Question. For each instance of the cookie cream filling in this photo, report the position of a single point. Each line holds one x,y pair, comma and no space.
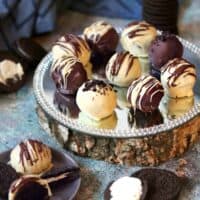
126,188
10,70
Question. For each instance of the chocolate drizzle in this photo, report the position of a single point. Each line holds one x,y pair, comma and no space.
137,32
25,154
76,43
178,67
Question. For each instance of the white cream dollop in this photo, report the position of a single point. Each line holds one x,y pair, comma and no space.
126,188
10,70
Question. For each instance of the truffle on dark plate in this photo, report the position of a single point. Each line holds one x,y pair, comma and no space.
145,94
101,37
12,76
162,184
164,48
68,74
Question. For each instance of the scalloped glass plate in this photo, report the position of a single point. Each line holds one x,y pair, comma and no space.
121,125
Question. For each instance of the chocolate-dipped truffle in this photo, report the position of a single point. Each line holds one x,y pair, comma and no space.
68,74
102,37
178,78
126,188
145,93
137,37
72,45
31,157
7,176
96,99
164,48
122,69
12,76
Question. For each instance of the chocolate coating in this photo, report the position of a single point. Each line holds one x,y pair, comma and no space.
162,184
101,37
145,93
68,74
164,48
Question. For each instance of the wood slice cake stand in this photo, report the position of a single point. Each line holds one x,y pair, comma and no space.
146,151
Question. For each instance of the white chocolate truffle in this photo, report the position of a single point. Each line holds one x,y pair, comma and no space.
178,78
96,99
10,70
72,45
145,93
137,37
31,157
101,37
122,69
126,188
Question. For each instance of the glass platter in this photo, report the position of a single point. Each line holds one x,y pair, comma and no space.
122,124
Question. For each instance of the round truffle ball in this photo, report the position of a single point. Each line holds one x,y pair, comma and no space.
164,48
122,69
178,78
31,157
145,93
12,76
96,99
137,37
72,45
68,74
101,37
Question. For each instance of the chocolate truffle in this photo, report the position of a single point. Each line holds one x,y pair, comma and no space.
137,37
7,176
96,99
122,69
12,76
101,37
126,188
162,184
72,45
178,78
164,48
145,94
29,188
68,74
31,157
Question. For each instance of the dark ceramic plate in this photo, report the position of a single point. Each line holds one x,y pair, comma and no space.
66,191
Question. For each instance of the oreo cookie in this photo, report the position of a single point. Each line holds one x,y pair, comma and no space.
162,14
7,176
162,184
30,51
107,193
